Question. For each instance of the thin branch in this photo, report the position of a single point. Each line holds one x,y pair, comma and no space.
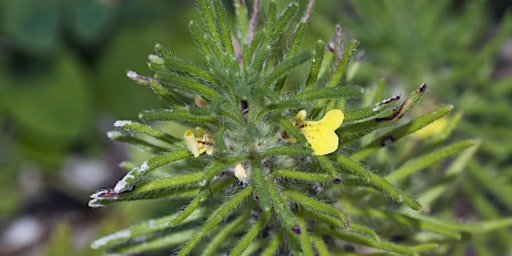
254,21
339,47
309,9
238,52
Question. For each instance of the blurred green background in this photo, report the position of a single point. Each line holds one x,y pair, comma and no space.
63,84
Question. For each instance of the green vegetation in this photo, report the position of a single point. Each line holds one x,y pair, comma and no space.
258,176
330,146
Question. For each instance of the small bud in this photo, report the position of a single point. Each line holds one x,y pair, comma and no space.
321,134
241,173
200,102
296,229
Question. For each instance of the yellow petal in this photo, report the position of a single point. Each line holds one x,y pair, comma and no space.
323,141
332,119
209,149
321,134
431,129
191,143
300,116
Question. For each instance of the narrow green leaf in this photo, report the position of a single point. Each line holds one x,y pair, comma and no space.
105,197
178,115
351,132
447,130
420,162
377,182
260,181
327,165
254,248
144,228
326,66
215,167
363,240
156,87
303,176
208,15
165,93
260,58
137,143
455,227
286,66
269,24
293,131
146,129
355,131
223,234
490,225
177,66
280,105
251,234
401,132
329,93
189,209
485,208
196,202
357,228
215,218
218,136
246,54
298,37
340,72
316,64
424,247
292,50
274,245
261,47
168,183
241,18
154,242
421,222
289,151
200,39
283,21
127,165
305,241
372,110
337,222
286,217
147,166
317,206
163,51
224,28
320,246
499,188
181,83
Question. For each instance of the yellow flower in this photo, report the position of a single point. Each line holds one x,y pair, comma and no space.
197,146
321,134
431,129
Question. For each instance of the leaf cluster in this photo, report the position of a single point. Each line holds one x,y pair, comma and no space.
245,95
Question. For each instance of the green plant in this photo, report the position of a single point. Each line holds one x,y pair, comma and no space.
256,177
455,45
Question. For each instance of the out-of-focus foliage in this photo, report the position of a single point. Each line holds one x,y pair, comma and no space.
60,71
455,45
62,64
